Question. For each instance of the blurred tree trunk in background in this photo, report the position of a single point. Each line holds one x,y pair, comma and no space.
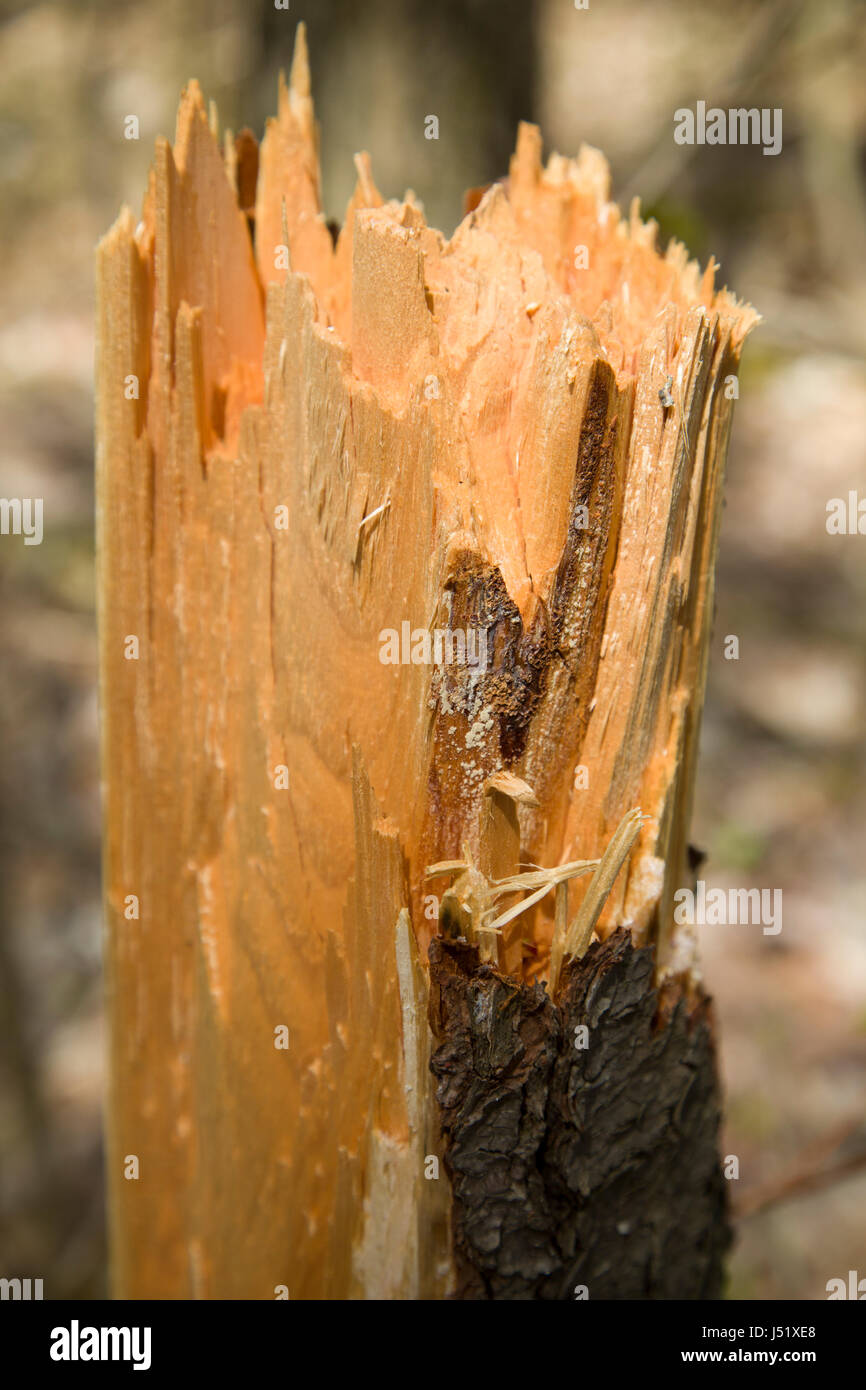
471,63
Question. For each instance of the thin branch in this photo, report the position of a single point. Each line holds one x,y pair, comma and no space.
809,1174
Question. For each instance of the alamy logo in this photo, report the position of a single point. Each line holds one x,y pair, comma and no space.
22,1290
736,126
76,1343
441,647
846,520
855,1289
736,907
22,516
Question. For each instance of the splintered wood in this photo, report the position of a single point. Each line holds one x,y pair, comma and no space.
415,540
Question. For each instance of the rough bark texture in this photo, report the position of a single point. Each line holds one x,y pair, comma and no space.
574,1165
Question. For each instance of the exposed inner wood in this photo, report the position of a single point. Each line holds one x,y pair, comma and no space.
330,441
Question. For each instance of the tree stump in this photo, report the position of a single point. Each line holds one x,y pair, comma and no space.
406,554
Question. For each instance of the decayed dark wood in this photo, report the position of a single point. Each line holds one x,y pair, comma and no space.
582,1164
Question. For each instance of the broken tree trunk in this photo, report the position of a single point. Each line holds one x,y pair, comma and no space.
406,558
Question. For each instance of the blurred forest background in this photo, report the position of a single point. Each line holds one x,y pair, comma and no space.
782,787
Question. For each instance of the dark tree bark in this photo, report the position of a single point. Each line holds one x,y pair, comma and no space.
574,1165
